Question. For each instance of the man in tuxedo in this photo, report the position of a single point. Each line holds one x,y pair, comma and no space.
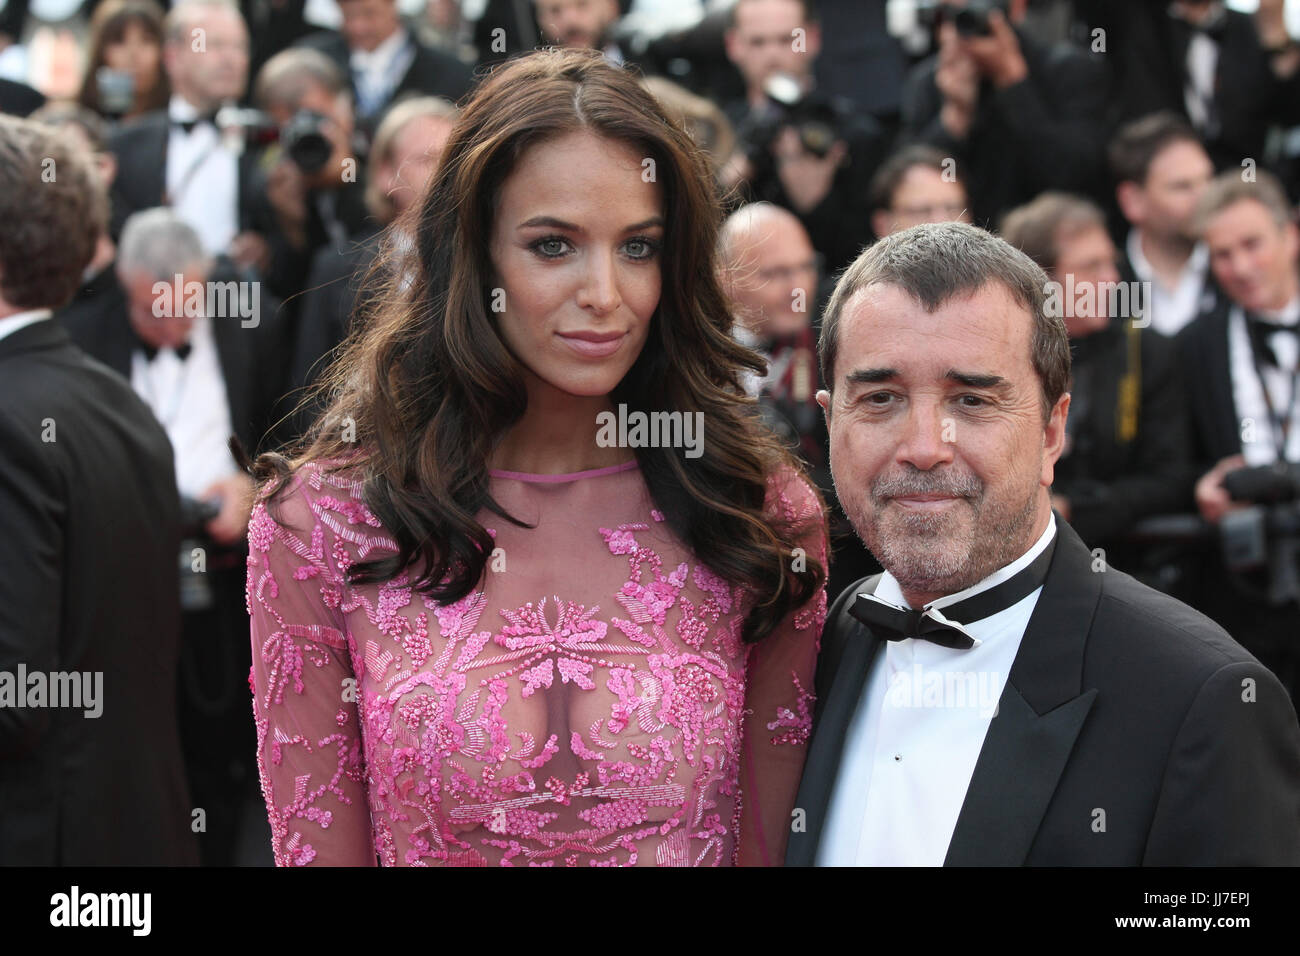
208,365
1231,74
177,157
385,60
88,572
1242,360
998,695
1160,170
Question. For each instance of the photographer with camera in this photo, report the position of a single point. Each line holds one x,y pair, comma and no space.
1243,374
1018,117
313,183
799,148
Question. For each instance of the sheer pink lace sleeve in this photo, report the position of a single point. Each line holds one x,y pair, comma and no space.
305,691
779,697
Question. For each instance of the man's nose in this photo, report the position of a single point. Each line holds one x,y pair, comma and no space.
928,436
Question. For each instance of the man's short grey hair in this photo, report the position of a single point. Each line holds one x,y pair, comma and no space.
180,17
289,76
936,262
161,244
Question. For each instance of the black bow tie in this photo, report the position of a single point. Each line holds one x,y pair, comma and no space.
151,352
1212,26
188,125
895,624
1262,331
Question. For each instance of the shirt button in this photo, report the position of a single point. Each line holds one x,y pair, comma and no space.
898,756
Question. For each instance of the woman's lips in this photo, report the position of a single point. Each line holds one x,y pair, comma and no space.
593,344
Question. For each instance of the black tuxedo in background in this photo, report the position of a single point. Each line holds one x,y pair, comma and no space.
140,146
1114,477
88,582
1120,699
1269,632
431,73
252,359
1046,132
1148,53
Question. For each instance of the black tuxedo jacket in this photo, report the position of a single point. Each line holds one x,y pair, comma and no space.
140,146
88,582
1216,425
431,73
253,360
1121,700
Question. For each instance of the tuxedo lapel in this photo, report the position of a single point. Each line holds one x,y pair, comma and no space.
847,654
1040,714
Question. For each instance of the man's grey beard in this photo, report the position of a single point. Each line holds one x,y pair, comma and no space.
943,552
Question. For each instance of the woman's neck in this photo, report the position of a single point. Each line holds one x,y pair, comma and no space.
557,435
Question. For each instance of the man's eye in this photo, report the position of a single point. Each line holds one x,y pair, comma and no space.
972,401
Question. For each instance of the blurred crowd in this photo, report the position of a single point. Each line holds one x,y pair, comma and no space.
1144,152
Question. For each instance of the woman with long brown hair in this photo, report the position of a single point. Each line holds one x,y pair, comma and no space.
536,588
124,67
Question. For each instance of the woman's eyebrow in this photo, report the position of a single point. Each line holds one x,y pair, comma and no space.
554,223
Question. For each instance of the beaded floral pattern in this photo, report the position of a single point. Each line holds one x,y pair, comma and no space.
592,704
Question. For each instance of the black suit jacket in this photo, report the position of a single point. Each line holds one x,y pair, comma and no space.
1046,132
1129,457
140,146
431,73
1216,425
88,582
253,360
1148,57
1120,700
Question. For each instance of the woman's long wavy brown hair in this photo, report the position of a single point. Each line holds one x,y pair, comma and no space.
427,385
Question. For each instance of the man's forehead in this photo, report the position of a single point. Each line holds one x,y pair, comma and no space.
988,324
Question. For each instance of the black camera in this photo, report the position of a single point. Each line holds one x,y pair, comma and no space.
1266,534
302,138
813,117
971,20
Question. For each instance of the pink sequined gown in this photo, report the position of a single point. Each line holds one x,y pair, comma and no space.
591,705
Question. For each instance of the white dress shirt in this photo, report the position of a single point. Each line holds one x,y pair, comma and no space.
917,732
376,73
202,178
20,320
1170,309
188,397
1259,446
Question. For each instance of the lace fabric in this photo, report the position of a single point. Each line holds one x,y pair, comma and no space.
592,703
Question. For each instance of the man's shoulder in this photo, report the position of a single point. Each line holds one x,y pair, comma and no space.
326,41
1148,628
139,131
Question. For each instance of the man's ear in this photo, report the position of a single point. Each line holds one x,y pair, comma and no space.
824,400
1054,439
1129,198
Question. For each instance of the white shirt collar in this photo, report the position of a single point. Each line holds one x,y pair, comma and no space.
889,590
19,320
380,55
181,110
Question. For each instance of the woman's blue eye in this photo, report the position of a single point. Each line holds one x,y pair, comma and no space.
552,242
648,246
